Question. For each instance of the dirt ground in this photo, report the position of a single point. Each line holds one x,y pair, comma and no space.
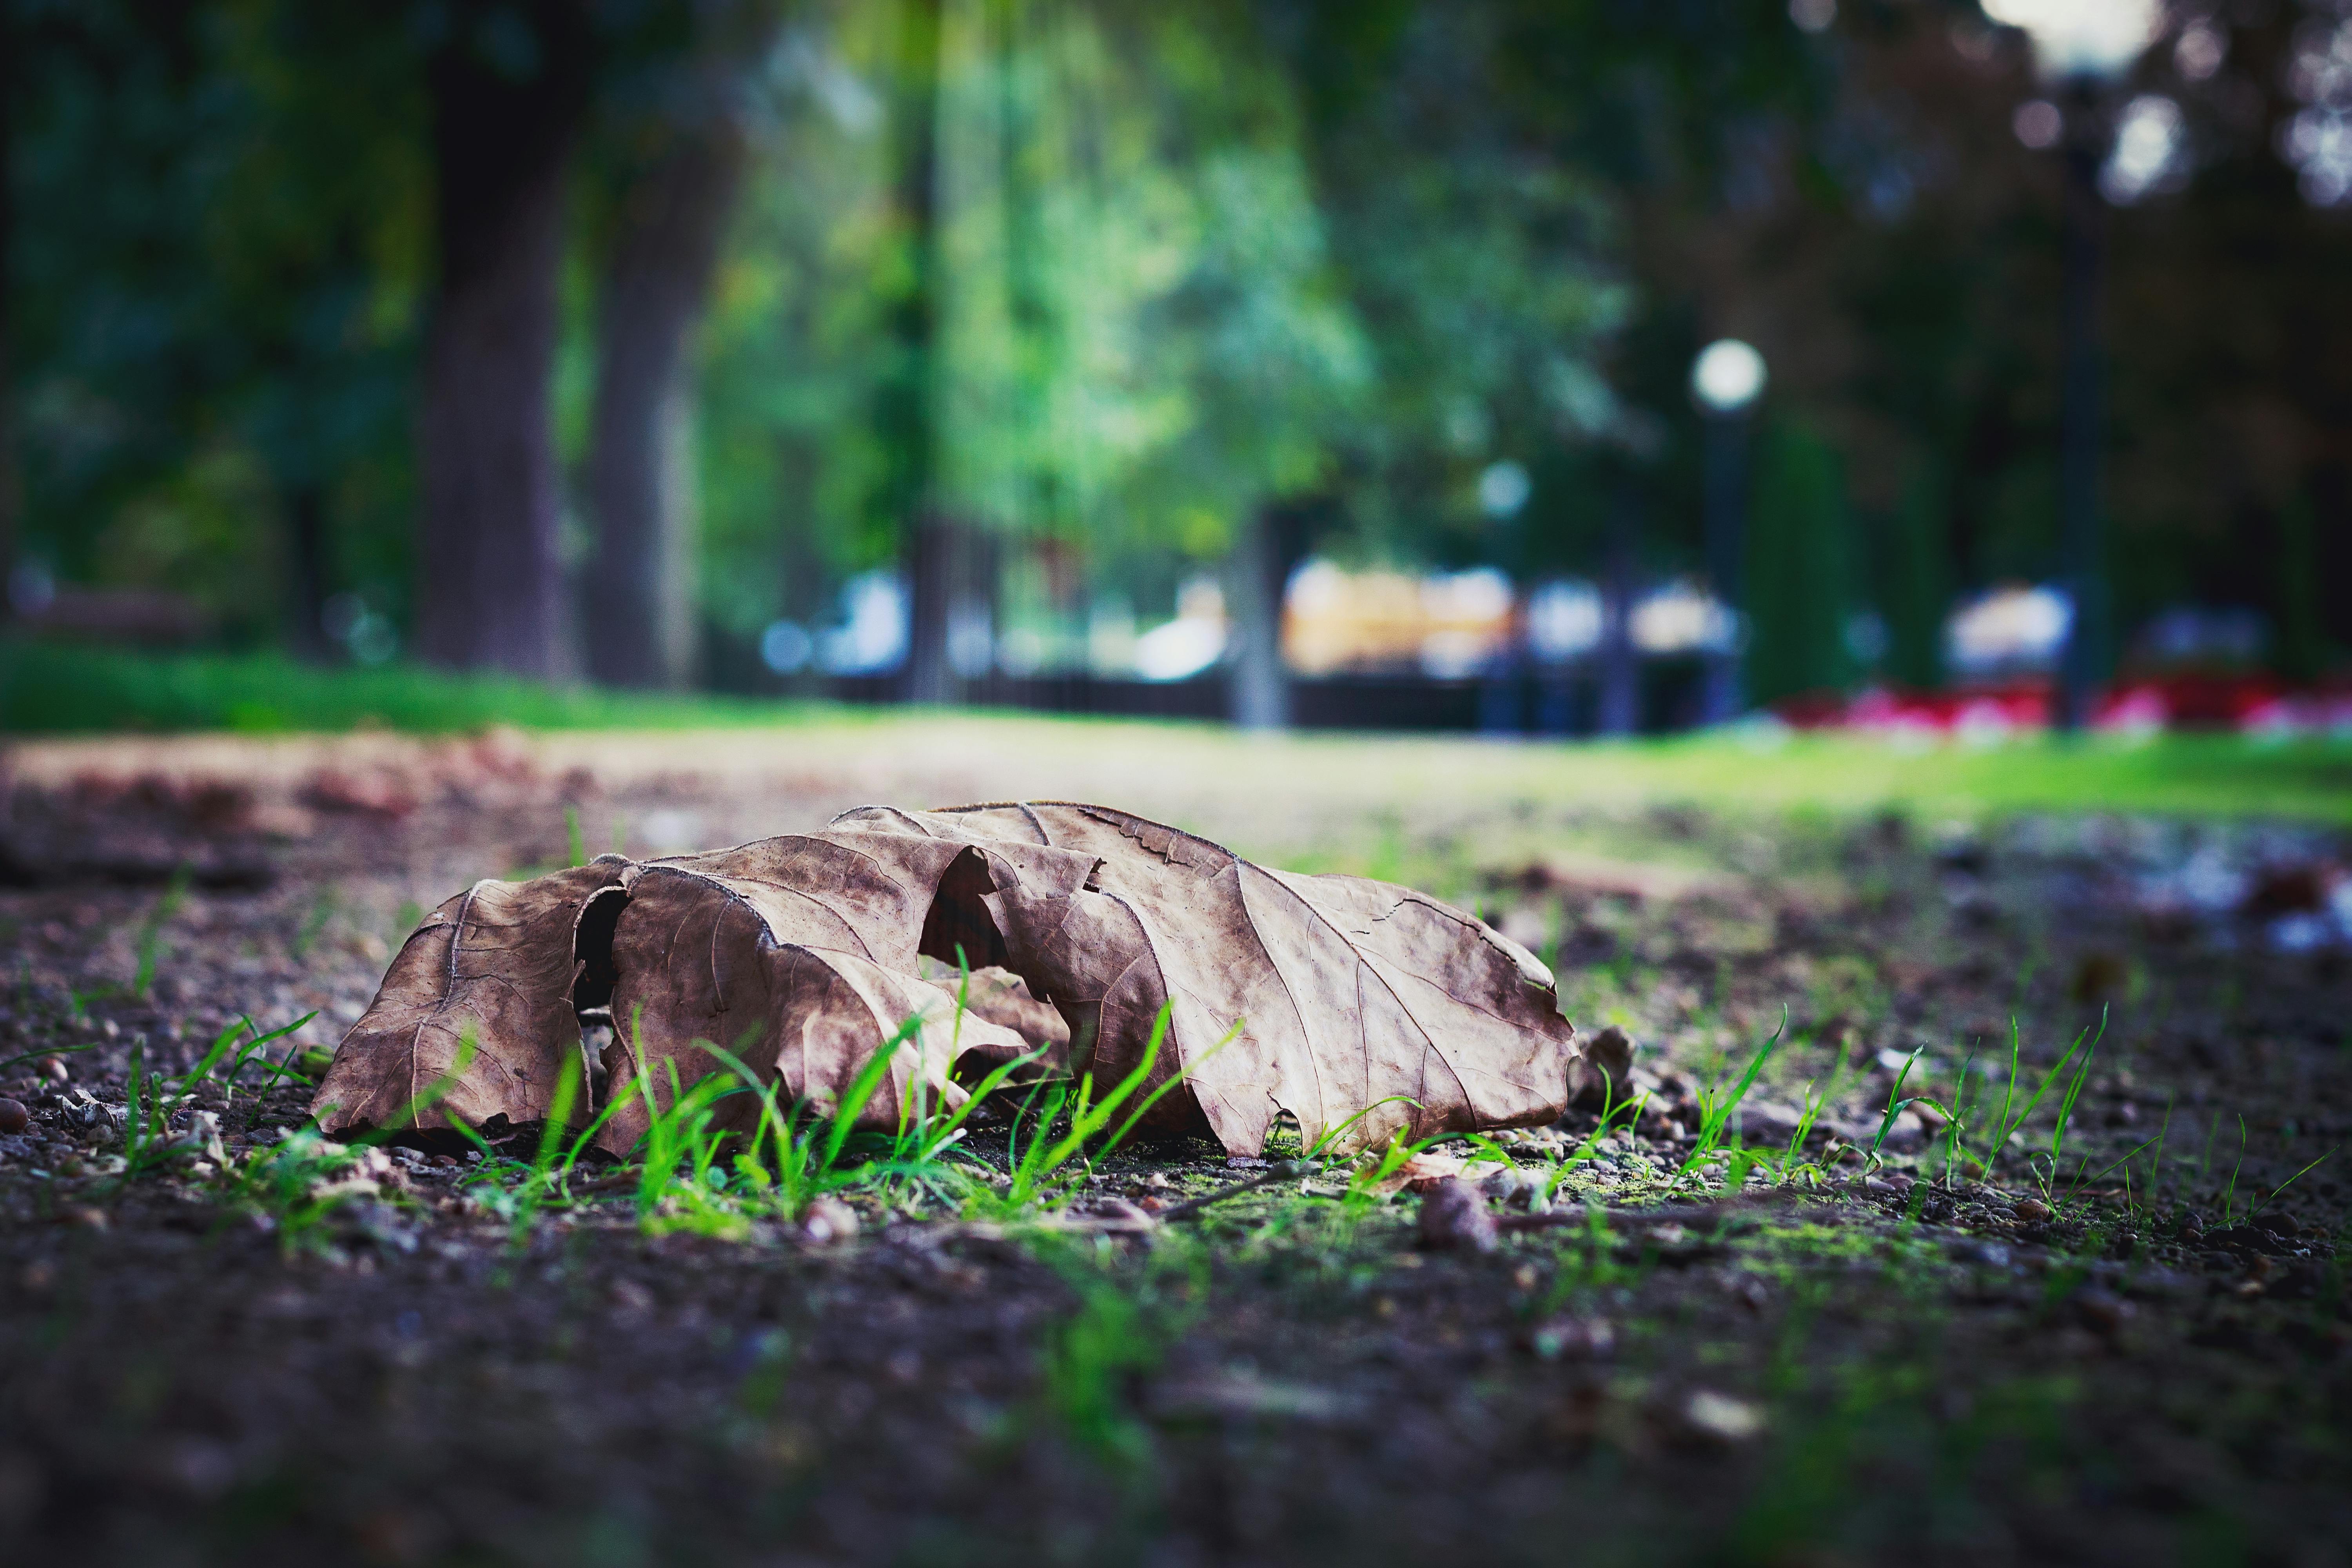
2138,1351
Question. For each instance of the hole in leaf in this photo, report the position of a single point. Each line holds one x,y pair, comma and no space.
958,917
592,944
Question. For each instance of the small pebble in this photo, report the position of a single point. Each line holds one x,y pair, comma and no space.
14,1117
1453,1219
1718,1418
828,1220
2033,1211
55,1068
1569,1338
2103,1312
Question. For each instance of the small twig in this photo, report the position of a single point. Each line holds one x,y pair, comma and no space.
1564,1218
1281,1171
932,1232
1704,1214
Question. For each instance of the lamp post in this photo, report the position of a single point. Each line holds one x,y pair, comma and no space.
1726,381
1617,706
2080,46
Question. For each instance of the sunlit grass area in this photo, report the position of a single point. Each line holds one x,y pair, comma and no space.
2180,774
56,691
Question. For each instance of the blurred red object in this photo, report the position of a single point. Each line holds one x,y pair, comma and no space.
2246,703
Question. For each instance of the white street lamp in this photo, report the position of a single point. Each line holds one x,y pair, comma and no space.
1726,379
2081,45
1727,376
2073,38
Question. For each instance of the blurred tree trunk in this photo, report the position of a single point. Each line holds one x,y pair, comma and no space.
2301,653
2082,412
1798,589
510,85
951,611
1273,542
640,593
11,481
930,568
306,531
1723,690
905,399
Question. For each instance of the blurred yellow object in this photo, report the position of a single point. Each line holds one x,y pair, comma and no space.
1445,625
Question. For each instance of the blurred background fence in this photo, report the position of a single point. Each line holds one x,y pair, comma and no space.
1558,368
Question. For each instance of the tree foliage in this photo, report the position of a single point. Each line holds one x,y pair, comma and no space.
1178,266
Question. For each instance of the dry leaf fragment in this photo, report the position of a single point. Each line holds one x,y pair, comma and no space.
1425,1168
798,956
999,997
1420,1172
492,971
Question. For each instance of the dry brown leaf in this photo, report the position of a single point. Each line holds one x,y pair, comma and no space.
1321,996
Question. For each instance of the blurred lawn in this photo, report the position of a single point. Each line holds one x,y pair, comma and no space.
2186,775
50,689
64,691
